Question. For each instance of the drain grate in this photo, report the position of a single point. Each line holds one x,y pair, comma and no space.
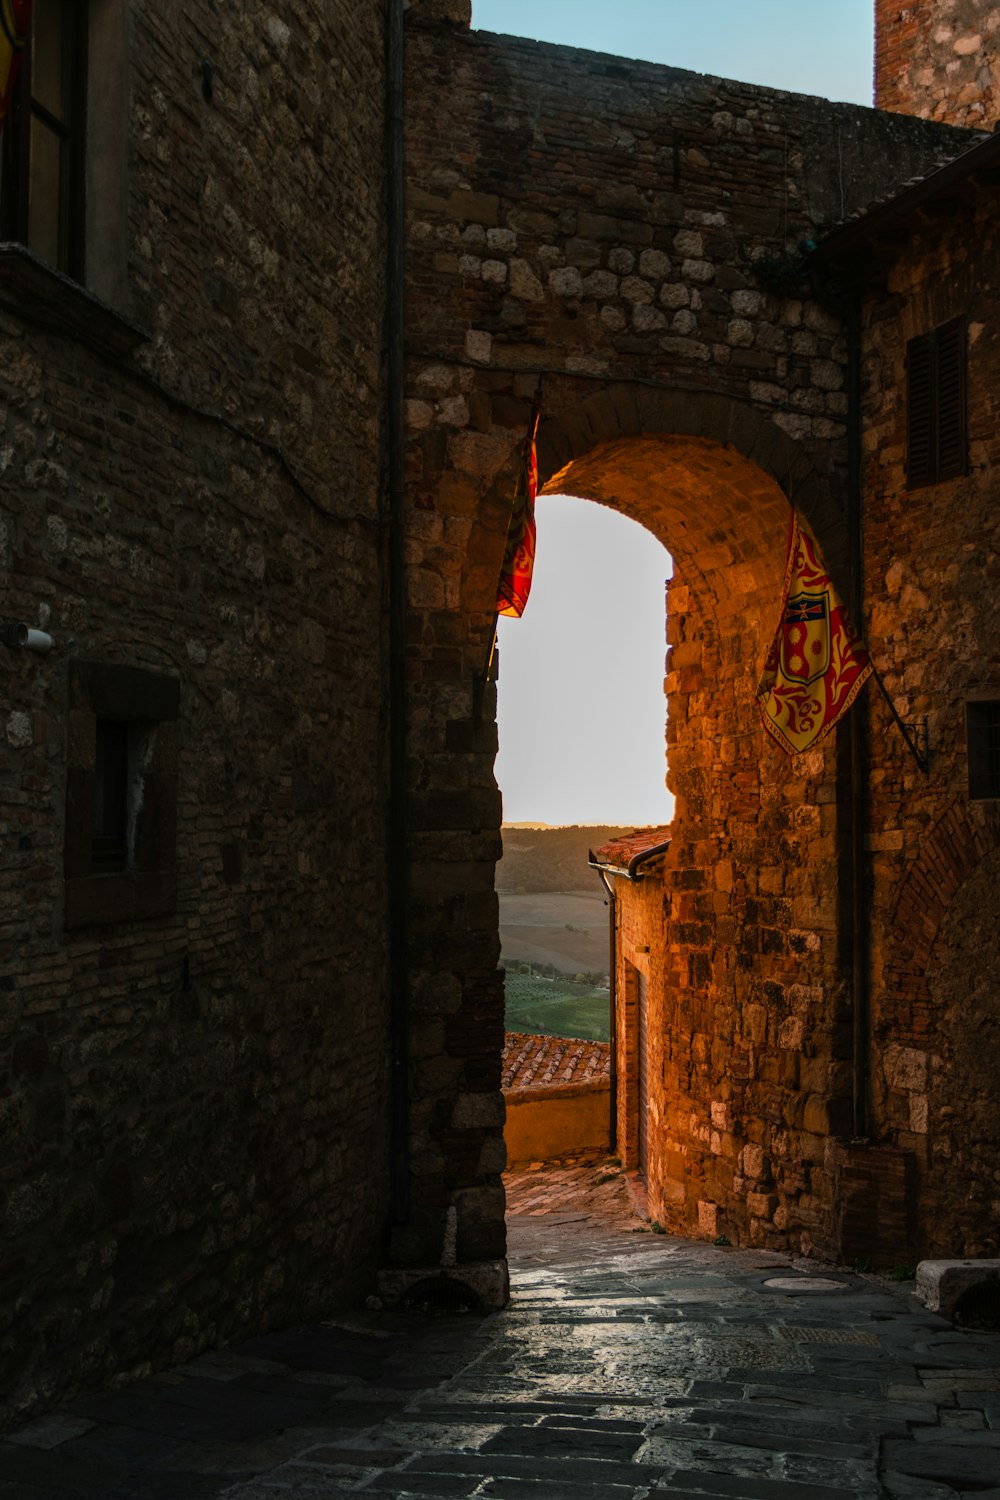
979,1308
803,1335
439,1296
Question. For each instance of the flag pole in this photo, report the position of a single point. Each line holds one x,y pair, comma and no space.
480,680
491,653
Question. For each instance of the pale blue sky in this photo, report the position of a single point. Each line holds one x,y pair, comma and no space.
790,44
581,705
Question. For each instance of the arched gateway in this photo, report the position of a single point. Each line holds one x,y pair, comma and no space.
628,233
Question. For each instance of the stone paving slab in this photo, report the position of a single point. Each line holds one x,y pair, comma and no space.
629,1365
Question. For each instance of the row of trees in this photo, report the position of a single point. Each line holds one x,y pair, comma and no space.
549,971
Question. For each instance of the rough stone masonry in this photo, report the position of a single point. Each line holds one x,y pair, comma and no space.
193,1101
628,233
194,1062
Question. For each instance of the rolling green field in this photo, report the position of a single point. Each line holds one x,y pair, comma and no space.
556,1007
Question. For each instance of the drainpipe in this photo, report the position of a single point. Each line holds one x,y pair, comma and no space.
858,721
398,864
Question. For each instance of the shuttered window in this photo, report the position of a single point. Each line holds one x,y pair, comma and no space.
936,428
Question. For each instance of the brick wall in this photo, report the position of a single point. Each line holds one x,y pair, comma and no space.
192,1106
939,59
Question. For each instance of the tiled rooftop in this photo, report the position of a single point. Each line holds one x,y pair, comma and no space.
620,852
542,1061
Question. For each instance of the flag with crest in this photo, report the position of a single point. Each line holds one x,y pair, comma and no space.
816,665
519,553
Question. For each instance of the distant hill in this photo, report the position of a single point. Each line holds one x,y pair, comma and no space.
550,859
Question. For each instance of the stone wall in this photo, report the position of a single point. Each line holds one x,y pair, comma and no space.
939,59
193,1104
932,622
631,231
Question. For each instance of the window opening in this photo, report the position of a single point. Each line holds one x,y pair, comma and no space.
41,152
983,730
121,794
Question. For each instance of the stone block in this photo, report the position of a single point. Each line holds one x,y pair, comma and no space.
488,1280
940,1283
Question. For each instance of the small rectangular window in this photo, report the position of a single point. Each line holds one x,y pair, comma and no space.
936,426
42,164
121,794
983,731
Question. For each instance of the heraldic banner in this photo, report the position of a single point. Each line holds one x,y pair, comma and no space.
816,665
15,16
519,553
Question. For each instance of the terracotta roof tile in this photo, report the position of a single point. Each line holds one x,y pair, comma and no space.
620,852
542,1061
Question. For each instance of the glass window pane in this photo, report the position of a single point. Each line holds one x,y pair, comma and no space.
44,192
48,56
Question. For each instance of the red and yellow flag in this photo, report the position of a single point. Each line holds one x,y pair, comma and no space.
15,19
816,665
519,553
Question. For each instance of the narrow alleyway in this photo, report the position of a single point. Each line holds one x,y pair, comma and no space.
629,1365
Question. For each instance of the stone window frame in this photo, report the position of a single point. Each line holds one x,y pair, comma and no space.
937,441
149,702
982,730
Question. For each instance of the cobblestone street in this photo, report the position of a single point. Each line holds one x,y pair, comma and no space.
629,1364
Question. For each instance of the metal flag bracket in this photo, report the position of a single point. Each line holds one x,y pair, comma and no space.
916,734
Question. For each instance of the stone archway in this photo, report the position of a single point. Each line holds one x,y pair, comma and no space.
742,1012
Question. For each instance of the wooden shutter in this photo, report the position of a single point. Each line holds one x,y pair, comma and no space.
919,412
936,404
952,445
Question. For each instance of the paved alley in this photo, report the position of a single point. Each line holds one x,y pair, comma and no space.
628,1365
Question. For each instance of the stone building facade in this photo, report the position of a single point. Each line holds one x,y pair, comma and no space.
193,1067
628,233
926,263
198,1067
923,1180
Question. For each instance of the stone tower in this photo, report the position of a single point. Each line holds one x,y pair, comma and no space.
939,59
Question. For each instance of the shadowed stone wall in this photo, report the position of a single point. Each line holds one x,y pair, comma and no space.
932,621
193,1104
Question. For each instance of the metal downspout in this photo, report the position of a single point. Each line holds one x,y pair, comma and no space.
398,869
858,721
